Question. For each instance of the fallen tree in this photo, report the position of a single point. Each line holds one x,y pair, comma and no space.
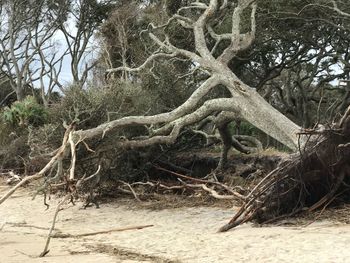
277,188
164,128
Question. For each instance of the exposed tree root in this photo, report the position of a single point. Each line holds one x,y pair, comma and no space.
304,182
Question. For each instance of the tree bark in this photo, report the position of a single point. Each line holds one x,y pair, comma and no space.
245,102
20,93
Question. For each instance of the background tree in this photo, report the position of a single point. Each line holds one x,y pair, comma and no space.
27,28
32,54
86,17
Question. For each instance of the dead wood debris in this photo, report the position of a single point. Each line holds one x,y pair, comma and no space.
304,182
49,236
202,184
66,235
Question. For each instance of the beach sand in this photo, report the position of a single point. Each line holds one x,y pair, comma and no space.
185,234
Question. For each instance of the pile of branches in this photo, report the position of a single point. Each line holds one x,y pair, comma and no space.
313,178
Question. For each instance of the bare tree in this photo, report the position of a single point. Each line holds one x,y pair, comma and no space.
243,102
31,49
26,30
50,65
84,18
115,50
301,91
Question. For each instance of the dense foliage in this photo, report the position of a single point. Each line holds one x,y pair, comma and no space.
25,113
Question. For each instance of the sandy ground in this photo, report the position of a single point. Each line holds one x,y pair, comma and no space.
178,235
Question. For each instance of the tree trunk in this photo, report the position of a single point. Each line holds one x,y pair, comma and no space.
262,115
256,110
20,93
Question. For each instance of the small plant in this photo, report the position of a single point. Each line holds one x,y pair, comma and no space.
5,130
25,113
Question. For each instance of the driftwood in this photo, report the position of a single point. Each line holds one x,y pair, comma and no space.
203,185
58,209
66,235
12,177
73,190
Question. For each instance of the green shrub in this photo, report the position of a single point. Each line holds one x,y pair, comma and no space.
93,106
25,113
